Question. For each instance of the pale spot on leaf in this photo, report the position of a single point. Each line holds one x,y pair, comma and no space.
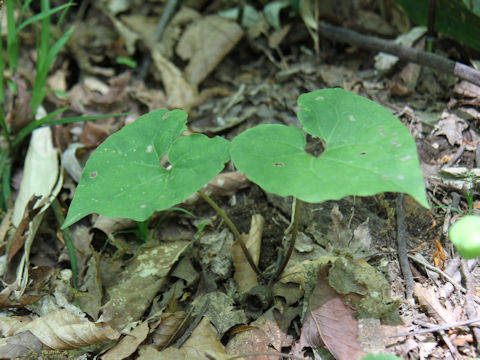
149,148
351,118
318,98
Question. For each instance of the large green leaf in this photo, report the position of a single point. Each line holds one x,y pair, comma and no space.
368,151
124,176
452,18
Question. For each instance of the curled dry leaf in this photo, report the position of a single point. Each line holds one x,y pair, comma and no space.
244,274
61,330
429,300
180,93
224,184
205,42
167,328
129,344
201,345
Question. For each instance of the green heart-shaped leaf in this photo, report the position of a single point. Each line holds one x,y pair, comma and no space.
368,150
124,176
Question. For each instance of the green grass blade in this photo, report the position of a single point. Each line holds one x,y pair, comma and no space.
62,15
2,69
68,242
46,14
45,60
12,38
49,121
24,9
6,171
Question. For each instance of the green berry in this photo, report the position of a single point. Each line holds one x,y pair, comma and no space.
465,235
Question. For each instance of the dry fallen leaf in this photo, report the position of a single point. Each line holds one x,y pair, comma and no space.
202,344
61,330
129,344
262,336
244,275
429,299
140,281
180,93
19,345
330,323
205,43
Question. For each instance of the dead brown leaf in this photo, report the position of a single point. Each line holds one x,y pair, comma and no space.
330,323
205,43
139,282
202,344
129,344
244,275
428,298
61,330
263,335
19,345
180,93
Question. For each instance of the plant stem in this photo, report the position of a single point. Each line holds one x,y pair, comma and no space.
287,256
233,229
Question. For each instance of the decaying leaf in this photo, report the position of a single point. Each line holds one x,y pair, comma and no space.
205,42
221,312
140,282
262,336
330,323
129,344
42,178
364,289
244,274
167,327
223,184
180,93
452,127
429,300
19,345
202,344
62,330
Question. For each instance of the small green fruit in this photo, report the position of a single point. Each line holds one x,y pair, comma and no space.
465,235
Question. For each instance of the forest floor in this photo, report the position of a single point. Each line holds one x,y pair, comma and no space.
175,290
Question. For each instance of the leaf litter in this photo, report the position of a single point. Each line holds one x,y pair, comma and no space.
163,296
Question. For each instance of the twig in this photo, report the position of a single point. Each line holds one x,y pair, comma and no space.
457,155
442,273
162,24
271,353
405,53
436,328
402,248
469,306
193,325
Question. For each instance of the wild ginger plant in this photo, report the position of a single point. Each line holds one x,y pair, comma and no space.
367,150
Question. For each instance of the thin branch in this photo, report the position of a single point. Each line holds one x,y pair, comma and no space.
435,328
402,248
405,53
